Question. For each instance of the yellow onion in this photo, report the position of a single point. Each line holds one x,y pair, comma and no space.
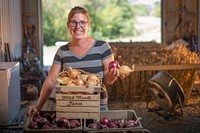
79,82
63,80
125,70
93,77
73,73
91,82
84,77
71,83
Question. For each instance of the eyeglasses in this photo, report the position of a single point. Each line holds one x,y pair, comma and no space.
74,23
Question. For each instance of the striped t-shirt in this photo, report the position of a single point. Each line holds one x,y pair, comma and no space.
89,62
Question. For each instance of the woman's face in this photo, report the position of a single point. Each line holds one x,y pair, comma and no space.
78,26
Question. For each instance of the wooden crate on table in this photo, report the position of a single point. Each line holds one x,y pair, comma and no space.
78,102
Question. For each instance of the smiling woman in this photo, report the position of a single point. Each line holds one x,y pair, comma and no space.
82,52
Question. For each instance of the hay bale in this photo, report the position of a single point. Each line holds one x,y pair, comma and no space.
134,86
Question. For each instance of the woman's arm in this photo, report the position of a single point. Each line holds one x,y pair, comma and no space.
48,86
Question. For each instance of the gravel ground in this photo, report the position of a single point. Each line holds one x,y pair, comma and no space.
156,122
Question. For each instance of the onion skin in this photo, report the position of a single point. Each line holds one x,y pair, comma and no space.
95,126
92,77
73,73
113,64
71,83
79,82
92,80
105,120
125,70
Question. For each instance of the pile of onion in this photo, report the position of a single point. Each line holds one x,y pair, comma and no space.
76,77
107,123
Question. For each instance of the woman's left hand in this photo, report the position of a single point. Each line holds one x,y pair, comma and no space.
114,72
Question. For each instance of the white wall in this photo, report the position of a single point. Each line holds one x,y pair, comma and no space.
11,26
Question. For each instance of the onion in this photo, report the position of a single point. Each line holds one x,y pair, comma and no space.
71,83
122,124
91,83
92,77
116,121
94,125
125,70
79,82
63,80
112,125
105,120
92,80
113,64
133,123
73,73
84,76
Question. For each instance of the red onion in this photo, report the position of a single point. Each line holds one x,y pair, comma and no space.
105,120
122,124
113,64
132,123
116,121
112,125
94,125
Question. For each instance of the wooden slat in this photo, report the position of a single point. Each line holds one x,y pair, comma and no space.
78,115
77,97
77,103
165,67
77,110
78,88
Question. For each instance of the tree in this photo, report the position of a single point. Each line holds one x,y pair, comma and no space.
110,19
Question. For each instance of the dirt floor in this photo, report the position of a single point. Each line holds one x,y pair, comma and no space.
157,122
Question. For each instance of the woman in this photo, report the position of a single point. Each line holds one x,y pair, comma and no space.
82,52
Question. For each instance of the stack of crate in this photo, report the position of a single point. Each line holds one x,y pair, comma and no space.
78,102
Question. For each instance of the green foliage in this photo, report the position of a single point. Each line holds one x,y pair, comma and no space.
157,11
54,21
110,19
141,10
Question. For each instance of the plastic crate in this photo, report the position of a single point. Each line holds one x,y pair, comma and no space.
51,130
114,114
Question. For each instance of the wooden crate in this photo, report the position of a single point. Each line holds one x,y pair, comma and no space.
78,102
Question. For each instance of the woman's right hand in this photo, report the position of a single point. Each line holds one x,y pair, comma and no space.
32,110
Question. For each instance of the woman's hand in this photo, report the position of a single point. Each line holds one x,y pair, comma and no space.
32,110
114,72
